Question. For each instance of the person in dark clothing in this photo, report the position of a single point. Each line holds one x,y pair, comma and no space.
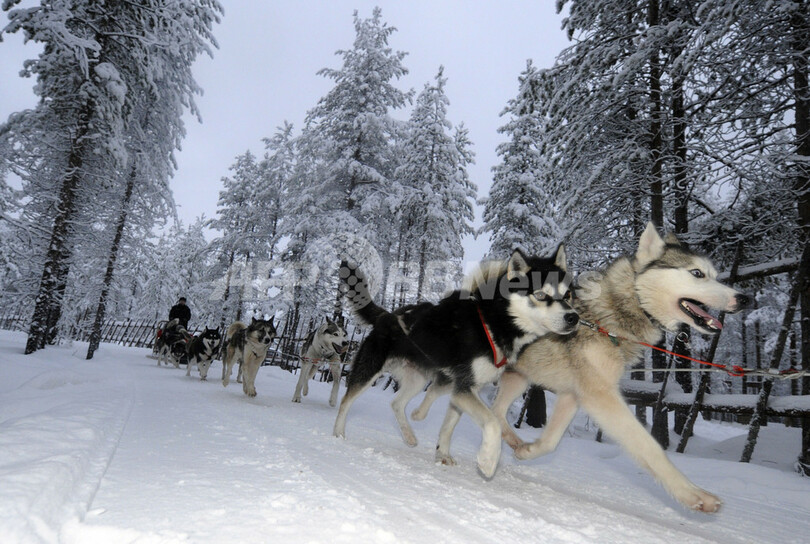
181,312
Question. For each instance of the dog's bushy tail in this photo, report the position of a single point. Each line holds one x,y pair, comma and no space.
354,287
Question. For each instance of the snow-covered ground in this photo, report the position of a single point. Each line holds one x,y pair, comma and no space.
117,450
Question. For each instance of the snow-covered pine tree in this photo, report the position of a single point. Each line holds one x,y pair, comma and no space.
520,211
353,131
245,239
157,74
83,113
437,195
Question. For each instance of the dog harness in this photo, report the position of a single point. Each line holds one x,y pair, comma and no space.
491,342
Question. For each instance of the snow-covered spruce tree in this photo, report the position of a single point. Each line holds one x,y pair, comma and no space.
520,211
83,113
435,209
245,233
156,69
354,134
276,173
79,114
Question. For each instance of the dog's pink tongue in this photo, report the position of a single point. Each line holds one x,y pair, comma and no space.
710,321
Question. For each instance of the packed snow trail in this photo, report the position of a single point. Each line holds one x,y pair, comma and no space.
160,457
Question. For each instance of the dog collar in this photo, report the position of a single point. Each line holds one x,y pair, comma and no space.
491,342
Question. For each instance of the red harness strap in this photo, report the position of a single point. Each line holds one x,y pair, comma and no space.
732,370
491,343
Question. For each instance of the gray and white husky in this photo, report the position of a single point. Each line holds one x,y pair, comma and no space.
201,351
662,286
324,345
247,345
466,339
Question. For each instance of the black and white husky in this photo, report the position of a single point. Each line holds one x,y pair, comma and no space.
247,345
201,351
324,345
466,339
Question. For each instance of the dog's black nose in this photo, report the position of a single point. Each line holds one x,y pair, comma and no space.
571,318
743,301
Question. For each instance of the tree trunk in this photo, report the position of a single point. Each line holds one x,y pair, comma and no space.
659,425
681,217
800,22
47,307
95,335
422,263
656,139
227,293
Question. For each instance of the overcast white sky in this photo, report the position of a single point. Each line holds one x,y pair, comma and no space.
265,73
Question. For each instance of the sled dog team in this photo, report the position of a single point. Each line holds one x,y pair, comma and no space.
518,323
246,346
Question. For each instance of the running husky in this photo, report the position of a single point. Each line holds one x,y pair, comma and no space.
663,286
326,344
201,351
466,339
171,344
247,345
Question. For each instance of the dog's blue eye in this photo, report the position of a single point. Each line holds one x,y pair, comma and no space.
540,295
697,273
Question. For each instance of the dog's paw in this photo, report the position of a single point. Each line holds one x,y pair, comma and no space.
225,383
524,452
409,438
487,463
296,399
511,439
701,501
445,459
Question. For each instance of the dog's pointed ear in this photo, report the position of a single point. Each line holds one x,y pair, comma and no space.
517,265
272,317
252,320
650,245
671,240
561,259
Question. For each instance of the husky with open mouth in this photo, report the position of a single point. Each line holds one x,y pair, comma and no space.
662,286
